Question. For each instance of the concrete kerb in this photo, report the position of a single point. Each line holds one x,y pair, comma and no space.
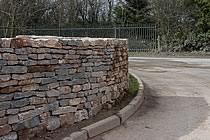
134,105
113,121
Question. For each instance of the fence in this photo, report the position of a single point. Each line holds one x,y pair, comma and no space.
143,38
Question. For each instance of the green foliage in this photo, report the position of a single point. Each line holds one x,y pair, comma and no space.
204,15
133,85
131,12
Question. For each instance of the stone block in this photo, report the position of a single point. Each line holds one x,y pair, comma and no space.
20,95
22,76
53,93
53,85
67,119
12,111
64,110
5,129
6,97
68,96
34,69
64,102
9,56
30,87
53,123
31,123
3,120
77,88
4,78
12,119
19,103
10,136
6,50
49,80
22,57
79,81
4,105
86,86
2,113
53,106
37,101
74,102
62,72
8,83
27,108
44,56
64,90
81,115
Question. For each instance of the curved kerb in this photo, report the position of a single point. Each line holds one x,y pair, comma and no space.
113,121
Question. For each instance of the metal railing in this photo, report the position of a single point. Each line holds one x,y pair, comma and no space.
143,38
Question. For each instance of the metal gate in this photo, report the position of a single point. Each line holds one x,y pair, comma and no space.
142,38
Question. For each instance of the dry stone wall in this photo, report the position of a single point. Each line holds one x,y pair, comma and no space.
51,82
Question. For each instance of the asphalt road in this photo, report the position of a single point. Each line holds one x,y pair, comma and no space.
177,101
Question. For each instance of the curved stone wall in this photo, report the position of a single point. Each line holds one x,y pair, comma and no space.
50,82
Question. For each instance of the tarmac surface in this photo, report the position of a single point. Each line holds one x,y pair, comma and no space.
177,101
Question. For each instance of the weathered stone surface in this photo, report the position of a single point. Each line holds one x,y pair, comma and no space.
10,136
3,120
8,90
53,106
12,111
81,115
37,101
77,88
67,119
20,95
6,50
6,97
67,96
34,69
64,90
32,122
5,129
12,119
64,110
19,103
53,93
49,80
27,108
16,43
8,83
53,123
22,57
8,56
64,102
2,113
22,76
30,87
75,101
4,105
30,114
4,78
14,69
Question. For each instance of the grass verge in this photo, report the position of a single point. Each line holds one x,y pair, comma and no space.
133,85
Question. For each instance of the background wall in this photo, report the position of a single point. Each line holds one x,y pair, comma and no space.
50,82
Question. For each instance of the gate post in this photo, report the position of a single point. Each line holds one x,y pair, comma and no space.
159,46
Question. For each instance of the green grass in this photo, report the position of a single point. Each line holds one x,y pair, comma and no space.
133,85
